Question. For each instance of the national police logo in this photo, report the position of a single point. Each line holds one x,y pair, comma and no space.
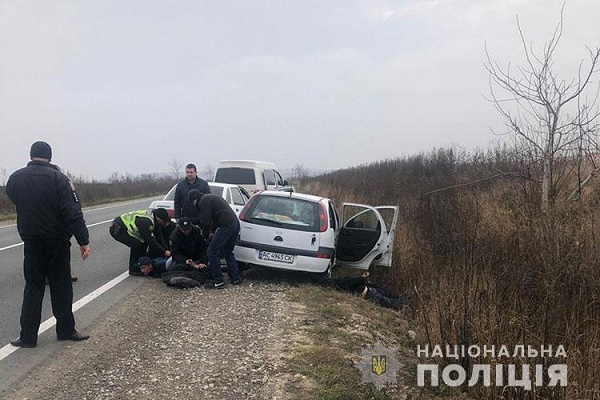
378,365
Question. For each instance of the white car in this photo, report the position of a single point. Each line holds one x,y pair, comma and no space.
302,232
236,196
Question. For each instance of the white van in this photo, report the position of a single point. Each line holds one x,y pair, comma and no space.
253,176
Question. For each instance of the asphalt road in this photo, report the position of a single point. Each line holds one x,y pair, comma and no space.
103,280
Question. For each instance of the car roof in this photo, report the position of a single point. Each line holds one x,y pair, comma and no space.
292,195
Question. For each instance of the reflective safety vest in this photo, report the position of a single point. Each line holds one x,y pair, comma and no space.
129,222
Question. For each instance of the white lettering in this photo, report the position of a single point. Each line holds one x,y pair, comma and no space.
519,348
484,369
546,352
557,372
423,353
449,353
433,368
525,380
437,351
474,351
460,379
532,352
503,352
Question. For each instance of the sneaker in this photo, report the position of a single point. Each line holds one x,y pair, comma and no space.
183,282
214,285
237,281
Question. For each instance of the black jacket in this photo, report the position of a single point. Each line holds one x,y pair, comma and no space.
192,246
47,205
215,212
163,234
181,193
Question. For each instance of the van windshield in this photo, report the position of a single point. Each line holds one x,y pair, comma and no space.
238,176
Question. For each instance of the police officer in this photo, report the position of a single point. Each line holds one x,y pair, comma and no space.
48,214
135,230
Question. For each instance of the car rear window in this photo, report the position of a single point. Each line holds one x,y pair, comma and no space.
238,176
285,212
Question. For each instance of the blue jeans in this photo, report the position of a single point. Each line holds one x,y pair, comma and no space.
222,245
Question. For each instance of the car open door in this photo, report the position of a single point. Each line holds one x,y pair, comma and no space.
366,236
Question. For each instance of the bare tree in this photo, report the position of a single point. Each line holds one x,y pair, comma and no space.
4,173
551,119
299,172
176,166
209,172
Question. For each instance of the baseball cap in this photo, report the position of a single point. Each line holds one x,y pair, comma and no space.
185,223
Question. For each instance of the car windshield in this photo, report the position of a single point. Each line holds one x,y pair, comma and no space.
238,176
285,212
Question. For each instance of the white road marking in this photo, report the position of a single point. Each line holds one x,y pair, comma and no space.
50,322
89,226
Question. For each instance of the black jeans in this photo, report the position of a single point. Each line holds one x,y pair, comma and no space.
222,245
52,259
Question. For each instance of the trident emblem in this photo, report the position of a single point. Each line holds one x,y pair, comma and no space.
378,364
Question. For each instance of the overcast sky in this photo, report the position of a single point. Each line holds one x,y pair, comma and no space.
129,85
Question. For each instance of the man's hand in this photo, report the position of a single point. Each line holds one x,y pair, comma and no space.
85,251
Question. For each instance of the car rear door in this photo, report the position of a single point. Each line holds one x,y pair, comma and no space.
366,238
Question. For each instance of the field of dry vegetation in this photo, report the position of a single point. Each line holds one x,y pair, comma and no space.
485,266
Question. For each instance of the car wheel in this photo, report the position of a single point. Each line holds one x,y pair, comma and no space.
328,271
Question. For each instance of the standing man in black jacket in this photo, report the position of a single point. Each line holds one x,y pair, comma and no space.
217,216
48,214
191,181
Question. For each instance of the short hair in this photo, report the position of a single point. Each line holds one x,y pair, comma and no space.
192,166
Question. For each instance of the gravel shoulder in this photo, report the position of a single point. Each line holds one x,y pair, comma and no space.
163,342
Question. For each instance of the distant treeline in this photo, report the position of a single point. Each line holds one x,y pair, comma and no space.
98,193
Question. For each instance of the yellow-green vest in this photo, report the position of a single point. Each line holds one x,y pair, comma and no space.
129,222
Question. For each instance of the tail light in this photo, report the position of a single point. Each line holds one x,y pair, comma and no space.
322,218
242,215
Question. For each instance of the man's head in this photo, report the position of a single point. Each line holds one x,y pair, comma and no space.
161,216
194,195
185,225
145,265
41,150
190,172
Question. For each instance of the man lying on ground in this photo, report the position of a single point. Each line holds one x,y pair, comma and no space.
365,289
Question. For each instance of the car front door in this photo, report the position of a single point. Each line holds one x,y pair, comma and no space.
366,237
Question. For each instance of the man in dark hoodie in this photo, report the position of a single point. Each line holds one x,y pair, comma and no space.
219,220
135,229
191,181
48,214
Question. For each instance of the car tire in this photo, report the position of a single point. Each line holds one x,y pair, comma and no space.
327,273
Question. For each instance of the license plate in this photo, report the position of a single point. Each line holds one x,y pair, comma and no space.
279,257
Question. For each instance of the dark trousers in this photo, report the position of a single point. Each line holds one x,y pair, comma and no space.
138,249
222,245
52,259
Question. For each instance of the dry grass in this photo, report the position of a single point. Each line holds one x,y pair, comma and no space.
485,266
